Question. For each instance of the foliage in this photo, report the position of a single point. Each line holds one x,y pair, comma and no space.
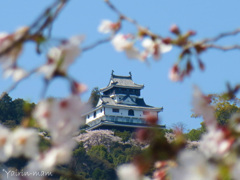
12,111
125,135
195,134
224,108
94,97
100,161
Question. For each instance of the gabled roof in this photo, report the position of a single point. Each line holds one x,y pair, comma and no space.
121,81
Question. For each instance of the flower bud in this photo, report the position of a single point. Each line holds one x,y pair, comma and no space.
174,29
191,33
167,40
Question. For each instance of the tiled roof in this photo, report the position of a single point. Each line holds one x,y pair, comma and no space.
106,100
122,81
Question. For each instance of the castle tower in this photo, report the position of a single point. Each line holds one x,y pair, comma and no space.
120,106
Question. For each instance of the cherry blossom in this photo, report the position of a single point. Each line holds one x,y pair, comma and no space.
214,143
107,26
129,172
16,72
193,165
4,134
122,42
174,74
61,57
48,160
23,141
9,59
201,107
61,117
156,47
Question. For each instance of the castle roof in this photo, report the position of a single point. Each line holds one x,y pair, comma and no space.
121,81
106,101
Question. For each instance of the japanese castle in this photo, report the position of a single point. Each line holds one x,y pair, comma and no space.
120,106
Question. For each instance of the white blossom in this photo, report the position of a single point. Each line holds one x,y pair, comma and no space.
4,135
201,107
121,43
156,47
107,26
23,141
48,160
61,57
16,72
61,117
6,40
193,166
128,172
214,144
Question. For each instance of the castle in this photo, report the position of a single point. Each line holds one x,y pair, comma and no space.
120,106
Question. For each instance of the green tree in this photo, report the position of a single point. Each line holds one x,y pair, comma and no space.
195,134
95,95
12,111
6,108
125,135
99,151
224,108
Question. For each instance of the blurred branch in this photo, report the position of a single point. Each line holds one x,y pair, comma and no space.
96,44
124,17
47,19
14,85
224,48
222,35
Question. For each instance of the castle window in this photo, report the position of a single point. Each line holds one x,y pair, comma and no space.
94,114
115,110
130,112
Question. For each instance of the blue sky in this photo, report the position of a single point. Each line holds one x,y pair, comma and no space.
94,67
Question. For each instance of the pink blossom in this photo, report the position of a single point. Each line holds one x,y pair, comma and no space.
174,74
202,107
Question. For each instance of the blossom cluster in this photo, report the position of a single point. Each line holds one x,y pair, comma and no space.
60,117
126,43
9,60
19,142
